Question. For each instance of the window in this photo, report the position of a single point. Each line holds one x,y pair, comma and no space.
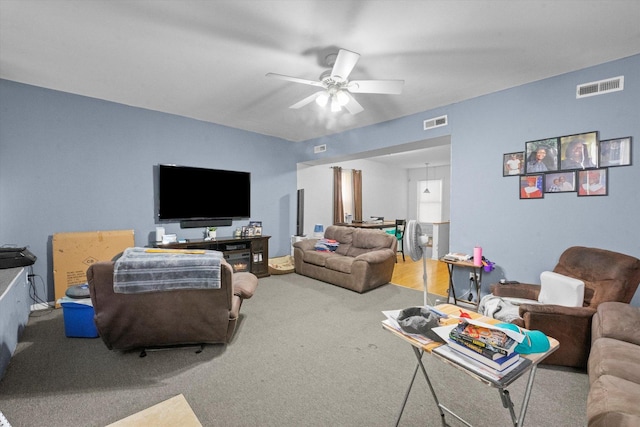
430,204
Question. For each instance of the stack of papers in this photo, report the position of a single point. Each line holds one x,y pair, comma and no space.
456,256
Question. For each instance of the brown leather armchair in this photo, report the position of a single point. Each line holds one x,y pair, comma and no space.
607,276
167,318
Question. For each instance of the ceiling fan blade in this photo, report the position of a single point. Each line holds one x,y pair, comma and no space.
307,100
294,79
353,106
393,87
345,61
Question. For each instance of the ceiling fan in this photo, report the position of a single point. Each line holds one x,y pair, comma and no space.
336,86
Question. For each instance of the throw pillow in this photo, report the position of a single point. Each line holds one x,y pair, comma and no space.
560,290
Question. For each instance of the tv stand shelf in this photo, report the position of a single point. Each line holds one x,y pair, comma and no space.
243,253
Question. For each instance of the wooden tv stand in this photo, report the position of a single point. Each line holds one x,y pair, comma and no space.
243,253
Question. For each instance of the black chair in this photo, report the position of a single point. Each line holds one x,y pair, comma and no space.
400,227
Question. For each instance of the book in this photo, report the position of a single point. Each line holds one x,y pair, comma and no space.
487,349
498,364
499,378
482,336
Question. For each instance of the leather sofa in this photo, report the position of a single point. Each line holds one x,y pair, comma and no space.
607,276
614,366
363,260
170,317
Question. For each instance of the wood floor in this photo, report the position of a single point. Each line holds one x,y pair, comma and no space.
409,274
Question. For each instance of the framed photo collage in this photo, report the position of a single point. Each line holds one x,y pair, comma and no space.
567,164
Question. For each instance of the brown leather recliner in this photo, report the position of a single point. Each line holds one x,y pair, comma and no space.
167,318
607,276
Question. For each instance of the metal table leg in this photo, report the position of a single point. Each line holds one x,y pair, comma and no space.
452,289
504,396
418,353
507,403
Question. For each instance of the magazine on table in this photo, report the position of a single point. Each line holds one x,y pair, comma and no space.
491,339
518,337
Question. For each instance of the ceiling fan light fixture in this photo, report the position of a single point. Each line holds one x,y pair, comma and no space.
337,87
342,98
322,99
335,105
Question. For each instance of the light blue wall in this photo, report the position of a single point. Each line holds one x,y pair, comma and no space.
525,237
70,163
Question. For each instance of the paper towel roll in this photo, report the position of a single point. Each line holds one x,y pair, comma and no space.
159,234
477,256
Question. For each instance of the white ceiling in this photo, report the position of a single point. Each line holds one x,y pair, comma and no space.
207,60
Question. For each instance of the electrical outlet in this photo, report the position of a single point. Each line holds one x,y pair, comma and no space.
472,277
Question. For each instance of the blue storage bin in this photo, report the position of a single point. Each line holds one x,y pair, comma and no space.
78,319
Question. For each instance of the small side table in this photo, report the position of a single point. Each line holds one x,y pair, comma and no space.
436,350
477,279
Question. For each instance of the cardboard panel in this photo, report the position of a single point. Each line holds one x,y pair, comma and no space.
73,253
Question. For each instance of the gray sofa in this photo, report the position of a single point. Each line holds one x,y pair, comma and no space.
614,366
363,260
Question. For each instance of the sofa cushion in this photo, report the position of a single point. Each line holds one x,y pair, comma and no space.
369,240
343,235
613,401
340,263
614,357
318,258
617,320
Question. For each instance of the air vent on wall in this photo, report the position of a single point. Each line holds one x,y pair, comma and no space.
320,148
435,122
600,87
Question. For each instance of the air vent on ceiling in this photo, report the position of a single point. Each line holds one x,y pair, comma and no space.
435,122
600,87
320,148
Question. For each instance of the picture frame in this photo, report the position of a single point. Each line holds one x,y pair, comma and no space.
615,152
579,151
513,164
541,156
257,230
593,182
532,186
560,182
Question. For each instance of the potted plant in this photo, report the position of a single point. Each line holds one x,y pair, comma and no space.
211,232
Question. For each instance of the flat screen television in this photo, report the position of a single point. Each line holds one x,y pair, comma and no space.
201,197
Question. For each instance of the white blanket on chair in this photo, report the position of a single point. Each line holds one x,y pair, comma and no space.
503,309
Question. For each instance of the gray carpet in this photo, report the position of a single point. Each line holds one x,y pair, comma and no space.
305,353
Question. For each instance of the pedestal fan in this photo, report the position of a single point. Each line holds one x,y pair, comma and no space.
416,243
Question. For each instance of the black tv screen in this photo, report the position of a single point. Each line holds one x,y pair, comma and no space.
191,194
